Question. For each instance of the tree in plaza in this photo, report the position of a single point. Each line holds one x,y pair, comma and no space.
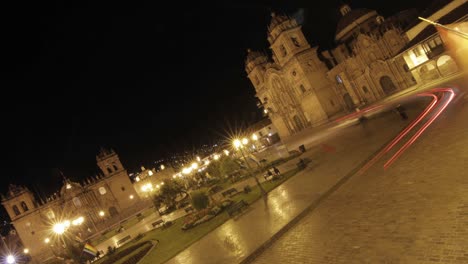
168,193
199,200
224,166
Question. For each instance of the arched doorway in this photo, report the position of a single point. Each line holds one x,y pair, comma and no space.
113,211
428,72
298,123
387,84
348,101
446,65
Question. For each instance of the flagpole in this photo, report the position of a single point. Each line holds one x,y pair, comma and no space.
464,35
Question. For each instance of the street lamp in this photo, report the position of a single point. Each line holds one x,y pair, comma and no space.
10,259
239,145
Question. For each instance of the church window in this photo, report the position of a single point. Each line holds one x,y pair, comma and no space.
109,170
338,79
16,210
295,41
303,90
283,51
417,52
76,202
115,167
24,206
364,89
102,190
294,73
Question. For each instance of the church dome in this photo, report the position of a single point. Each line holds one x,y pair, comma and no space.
70,189
353,17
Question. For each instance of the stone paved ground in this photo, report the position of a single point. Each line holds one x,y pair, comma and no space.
415,212
238,238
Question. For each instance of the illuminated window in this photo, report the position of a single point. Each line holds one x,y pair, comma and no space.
338,79
102,190
417,52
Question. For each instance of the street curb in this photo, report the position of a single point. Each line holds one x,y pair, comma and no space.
309,208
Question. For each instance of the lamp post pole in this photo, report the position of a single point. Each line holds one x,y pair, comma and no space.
239,146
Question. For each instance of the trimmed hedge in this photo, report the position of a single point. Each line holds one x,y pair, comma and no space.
121,254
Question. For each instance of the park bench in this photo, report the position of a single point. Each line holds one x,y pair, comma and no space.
123,240
215,189
229,192
237,207
158,223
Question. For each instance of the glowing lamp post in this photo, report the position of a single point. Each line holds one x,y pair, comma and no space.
10,259
238,144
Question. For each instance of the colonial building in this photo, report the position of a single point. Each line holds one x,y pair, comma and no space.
292,85
425,54
299,90
90,207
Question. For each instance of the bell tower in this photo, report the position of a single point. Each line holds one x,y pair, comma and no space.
19,201
286,38
109,162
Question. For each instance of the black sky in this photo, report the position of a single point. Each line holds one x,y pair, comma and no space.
144,79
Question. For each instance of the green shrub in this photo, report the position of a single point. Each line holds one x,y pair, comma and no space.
200,200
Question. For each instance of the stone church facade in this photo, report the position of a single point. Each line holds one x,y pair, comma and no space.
300,88
101,201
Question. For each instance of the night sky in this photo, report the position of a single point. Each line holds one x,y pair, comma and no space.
145,80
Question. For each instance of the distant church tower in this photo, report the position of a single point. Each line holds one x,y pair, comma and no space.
19,202
293,88
109,162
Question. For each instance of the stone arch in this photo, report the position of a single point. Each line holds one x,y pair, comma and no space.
113,211
446,65
115,167
428,72
387,84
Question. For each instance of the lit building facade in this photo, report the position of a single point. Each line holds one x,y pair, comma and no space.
91,207
373,58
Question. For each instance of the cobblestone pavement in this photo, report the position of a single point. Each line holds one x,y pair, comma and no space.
239,237
414,212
